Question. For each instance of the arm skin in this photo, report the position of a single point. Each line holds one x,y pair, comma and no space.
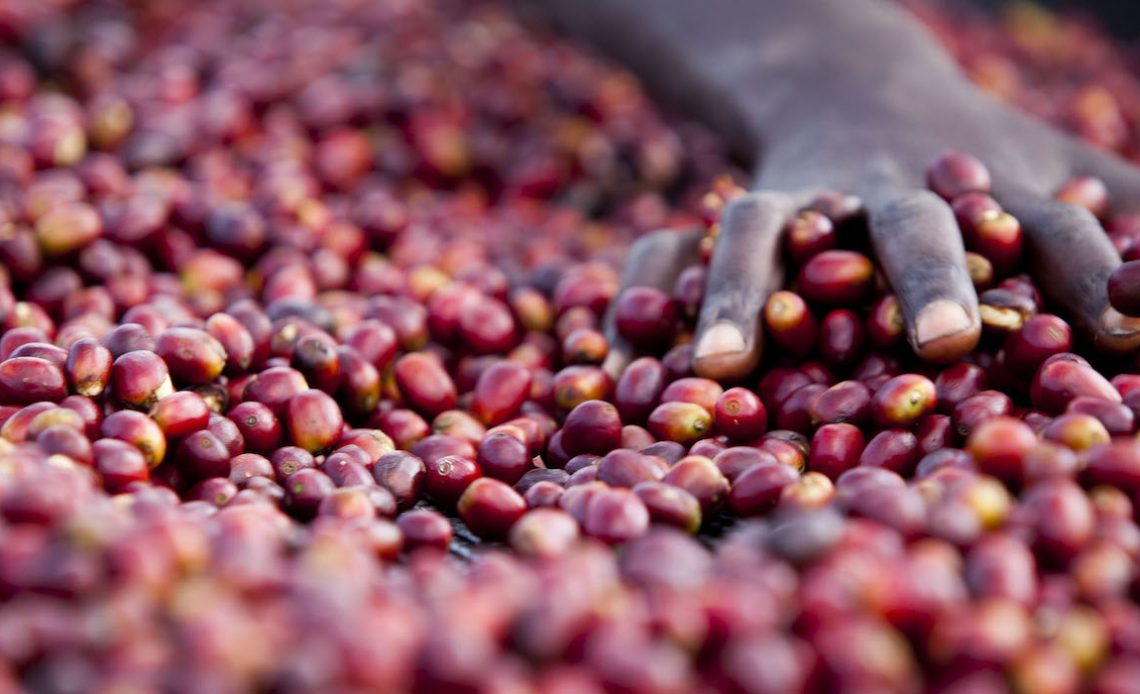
853,96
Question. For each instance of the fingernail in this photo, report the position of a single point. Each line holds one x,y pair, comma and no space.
721,338
940,319
1116,323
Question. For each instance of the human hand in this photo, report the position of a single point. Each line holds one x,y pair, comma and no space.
872,132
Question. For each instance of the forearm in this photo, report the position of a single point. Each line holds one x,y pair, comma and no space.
746,66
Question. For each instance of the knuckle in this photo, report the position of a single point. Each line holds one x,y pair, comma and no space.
1068,217
753,209
910,206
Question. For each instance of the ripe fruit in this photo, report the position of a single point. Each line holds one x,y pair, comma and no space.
740,414
999,446
953,173
836,278
683,422
424,382
193,356
313,420
490,507
593,426
644,316
903,400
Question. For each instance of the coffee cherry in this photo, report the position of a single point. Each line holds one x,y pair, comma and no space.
953,174
313,420
645,316
683,422
740,414
903,400
489,507
836,278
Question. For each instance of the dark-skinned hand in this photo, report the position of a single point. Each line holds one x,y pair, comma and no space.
853,96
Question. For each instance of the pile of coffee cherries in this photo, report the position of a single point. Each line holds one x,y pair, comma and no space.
301,389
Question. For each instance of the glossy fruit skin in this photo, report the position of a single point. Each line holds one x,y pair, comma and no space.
638,389
978,408
259,427
26,380
315,356
670,505
841,337
894,449
886,328
1039,338
500,391
1124,288
758,488
140,431
903,400
1061,520
699,391
490,507
700,477
846,401
626,468
794,413
790,324
778,384
615,516
193,356
402,474
1116,464
314,420
68,441
1117,418
957,382
836,278
1059,380
425,383
202,455
809,234
181,413
504,457
274,386
953,174
119,464
88,367
425,528
288,459
544,532
593,426
999,238
448,477
740,414
999,446
359,383
934,432
835,449
375,341
645,316
305,490
1077,431
682,422
576,384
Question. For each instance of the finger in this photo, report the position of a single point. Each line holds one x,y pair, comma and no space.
655,260
918,243
1070,254
744,269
